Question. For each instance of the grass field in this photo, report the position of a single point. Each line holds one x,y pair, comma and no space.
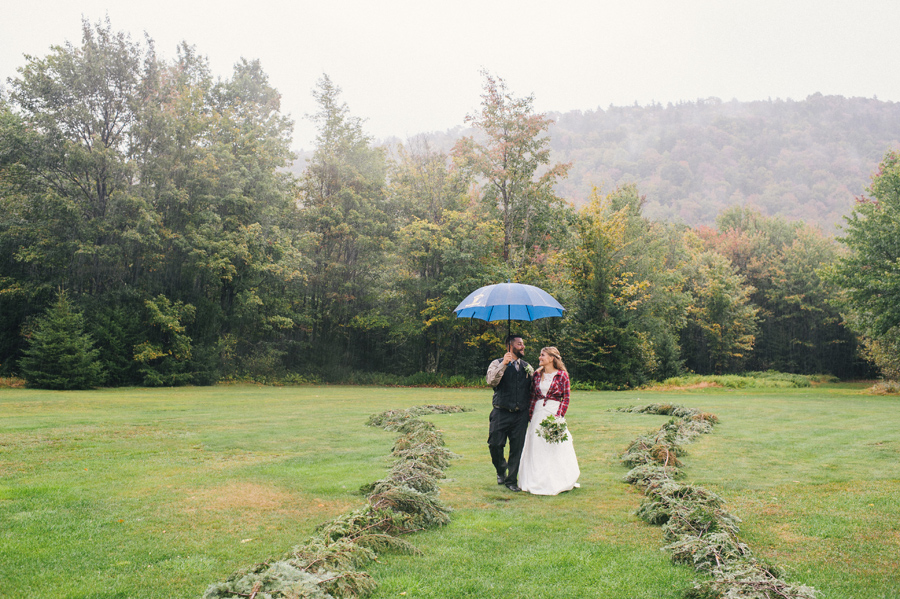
138,493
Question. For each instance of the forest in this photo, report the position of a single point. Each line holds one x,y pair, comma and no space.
152,232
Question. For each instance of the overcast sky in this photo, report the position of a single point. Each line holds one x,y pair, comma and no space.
412,66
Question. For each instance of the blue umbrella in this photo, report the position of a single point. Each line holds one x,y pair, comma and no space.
509,301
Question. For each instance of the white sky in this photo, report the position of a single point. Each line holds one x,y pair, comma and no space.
412,66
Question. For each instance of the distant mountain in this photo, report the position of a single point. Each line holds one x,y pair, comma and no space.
804,160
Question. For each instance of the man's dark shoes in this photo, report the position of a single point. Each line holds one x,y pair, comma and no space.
513,487
501,475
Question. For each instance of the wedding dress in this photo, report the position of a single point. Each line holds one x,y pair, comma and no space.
547,468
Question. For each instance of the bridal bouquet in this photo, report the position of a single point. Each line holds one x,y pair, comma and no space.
553,429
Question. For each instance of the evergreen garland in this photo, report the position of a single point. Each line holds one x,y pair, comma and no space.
405,501
698,529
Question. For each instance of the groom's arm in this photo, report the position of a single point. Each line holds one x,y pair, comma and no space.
495,372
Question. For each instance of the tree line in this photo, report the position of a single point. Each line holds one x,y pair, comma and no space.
151,233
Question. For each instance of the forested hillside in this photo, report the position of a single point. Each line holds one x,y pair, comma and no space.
803,160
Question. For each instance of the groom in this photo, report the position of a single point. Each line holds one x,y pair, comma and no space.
510,376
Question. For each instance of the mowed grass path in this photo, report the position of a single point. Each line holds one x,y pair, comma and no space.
157,493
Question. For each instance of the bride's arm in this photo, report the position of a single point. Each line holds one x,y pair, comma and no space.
564,393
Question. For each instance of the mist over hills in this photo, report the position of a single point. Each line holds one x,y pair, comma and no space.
802,160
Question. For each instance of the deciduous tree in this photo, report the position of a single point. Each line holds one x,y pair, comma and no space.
870,273
513,162
722,321
134,179
799,328
445,249
82,107
628,303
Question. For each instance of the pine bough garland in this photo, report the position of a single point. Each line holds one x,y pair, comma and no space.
698,529
405,501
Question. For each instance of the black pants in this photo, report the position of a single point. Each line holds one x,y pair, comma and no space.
512,426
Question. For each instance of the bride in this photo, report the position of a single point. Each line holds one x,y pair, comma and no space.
548,468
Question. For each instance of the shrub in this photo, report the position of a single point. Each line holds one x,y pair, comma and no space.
11,382
423,379
886,388
747,380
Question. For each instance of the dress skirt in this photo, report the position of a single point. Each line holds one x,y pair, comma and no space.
547,468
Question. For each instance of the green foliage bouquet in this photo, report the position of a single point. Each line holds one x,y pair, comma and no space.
553,429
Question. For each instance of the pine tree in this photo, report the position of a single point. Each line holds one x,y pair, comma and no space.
60,355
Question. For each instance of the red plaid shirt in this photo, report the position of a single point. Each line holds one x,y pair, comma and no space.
558,391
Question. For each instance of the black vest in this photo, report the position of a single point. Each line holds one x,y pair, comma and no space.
513,392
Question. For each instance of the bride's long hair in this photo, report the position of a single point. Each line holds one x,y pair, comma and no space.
557,359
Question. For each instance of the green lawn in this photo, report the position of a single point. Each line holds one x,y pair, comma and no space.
157,493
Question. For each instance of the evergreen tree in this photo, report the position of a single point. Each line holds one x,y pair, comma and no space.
349,227
60,354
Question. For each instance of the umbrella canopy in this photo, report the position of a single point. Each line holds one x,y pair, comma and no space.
509,301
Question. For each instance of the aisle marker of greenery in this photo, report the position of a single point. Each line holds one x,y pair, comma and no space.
699,530
405,501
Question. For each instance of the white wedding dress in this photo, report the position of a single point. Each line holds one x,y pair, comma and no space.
547,468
